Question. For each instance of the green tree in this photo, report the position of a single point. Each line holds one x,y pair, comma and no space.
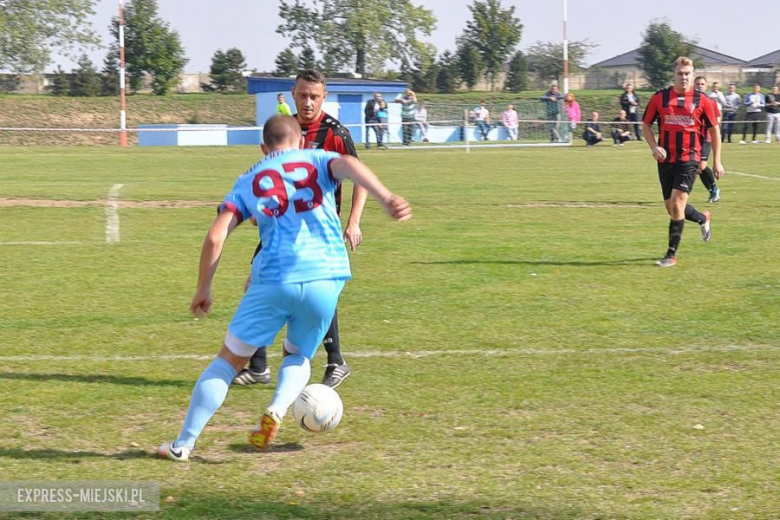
30,29
151,47
494,32
448,79
517,75
470,64
358,33
10,83
61,84
227,71
86,80
109,78
307,60
661,45
546,59
286,64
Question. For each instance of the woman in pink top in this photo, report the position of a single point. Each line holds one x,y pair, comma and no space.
573,111
510,120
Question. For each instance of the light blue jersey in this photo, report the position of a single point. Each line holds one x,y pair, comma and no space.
291,194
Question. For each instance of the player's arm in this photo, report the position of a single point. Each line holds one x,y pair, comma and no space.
650,115
349,167
224,224
712,118
353,235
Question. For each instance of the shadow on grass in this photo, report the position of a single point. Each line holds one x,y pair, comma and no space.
18,453
96,378
625,261
273,448
262,506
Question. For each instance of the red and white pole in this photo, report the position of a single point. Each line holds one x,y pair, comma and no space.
122,111
565,47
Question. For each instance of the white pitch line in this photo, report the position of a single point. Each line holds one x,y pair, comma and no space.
425,353
754,176
112,214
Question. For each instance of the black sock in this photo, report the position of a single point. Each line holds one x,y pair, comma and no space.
708,178
675,234
332,343
693,215
258,362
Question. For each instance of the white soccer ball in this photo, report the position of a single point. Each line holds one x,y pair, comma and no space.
318,408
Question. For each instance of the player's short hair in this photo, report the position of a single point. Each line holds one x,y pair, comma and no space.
683,61
700,77
280,129
312,76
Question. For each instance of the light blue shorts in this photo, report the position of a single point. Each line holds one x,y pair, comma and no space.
306,308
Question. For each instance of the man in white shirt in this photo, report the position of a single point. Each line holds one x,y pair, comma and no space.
421,116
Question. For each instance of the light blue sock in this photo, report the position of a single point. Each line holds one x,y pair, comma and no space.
294,373
207,396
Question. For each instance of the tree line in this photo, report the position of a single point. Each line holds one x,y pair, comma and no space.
331,35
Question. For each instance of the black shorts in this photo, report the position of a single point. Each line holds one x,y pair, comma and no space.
677,176
706,148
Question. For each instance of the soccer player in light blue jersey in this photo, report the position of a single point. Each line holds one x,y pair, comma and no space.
296,279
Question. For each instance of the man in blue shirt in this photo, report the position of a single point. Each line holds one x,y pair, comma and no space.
296,278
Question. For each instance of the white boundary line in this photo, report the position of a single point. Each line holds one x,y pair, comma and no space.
112,214
41,243
754,176
425,353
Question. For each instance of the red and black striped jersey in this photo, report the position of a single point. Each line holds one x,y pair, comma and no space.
328,134
682,118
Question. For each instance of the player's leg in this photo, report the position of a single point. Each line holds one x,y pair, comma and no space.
310,317
256,322
676,180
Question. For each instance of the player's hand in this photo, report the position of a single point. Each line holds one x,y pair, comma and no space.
398,208
201,302
718,170
353,236
253,220
659,154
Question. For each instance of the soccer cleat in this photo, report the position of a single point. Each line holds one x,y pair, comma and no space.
667,261
768,141
264,434
714,194
250,377
742,142
335,374
706,229
167,451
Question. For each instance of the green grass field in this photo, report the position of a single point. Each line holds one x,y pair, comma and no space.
516,354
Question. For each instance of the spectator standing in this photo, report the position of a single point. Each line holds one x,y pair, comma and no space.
408,101
372,121
730,107
551,100
629,102
754,106
381,116
511,122
592,134
573,113
282,108
773,115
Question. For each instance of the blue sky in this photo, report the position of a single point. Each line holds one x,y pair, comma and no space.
616,25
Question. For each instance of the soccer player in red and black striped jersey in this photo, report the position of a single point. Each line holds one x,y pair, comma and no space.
682,112
323,131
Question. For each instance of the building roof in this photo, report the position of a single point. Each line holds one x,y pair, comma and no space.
767,60
256,85
707,56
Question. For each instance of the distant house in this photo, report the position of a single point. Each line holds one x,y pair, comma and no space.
624,68
764,70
